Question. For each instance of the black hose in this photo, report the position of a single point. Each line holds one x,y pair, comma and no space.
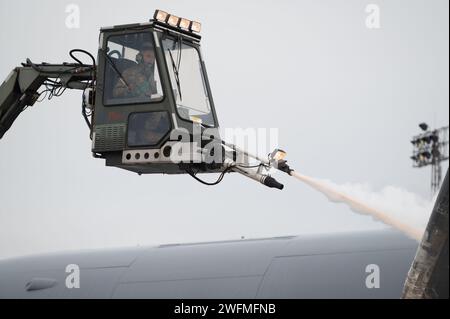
192,174
81,51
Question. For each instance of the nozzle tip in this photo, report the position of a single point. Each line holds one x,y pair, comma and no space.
273,183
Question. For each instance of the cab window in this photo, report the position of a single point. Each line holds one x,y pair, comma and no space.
188,83
147,129
131,71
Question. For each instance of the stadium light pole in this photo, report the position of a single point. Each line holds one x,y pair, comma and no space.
430,148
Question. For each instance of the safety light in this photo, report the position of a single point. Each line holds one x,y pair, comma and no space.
173,20
427,139
196,119
425,154
184,24
160,16
177,22
278,155
195,26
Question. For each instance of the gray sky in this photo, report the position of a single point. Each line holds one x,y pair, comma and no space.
346,100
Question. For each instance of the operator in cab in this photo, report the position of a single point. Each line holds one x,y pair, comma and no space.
140,78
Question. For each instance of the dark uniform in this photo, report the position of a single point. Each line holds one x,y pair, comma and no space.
141,82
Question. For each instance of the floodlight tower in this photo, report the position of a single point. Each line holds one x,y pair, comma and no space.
431,148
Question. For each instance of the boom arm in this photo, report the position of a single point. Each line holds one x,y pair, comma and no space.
21,88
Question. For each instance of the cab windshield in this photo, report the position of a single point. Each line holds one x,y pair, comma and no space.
188,83
131,72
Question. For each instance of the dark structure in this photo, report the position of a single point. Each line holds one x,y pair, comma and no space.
428,276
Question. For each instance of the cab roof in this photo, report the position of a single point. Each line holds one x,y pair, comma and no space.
151,24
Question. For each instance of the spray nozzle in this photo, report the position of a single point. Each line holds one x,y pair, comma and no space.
284,167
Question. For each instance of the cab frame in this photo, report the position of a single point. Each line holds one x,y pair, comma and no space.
110,123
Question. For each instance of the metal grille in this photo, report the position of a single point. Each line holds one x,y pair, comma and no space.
109,137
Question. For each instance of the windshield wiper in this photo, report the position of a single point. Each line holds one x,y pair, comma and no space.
176,74
176,67
111,62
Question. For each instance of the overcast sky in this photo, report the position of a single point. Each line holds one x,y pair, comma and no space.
345,99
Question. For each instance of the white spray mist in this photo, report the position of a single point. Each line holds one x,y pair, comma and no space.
393,206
